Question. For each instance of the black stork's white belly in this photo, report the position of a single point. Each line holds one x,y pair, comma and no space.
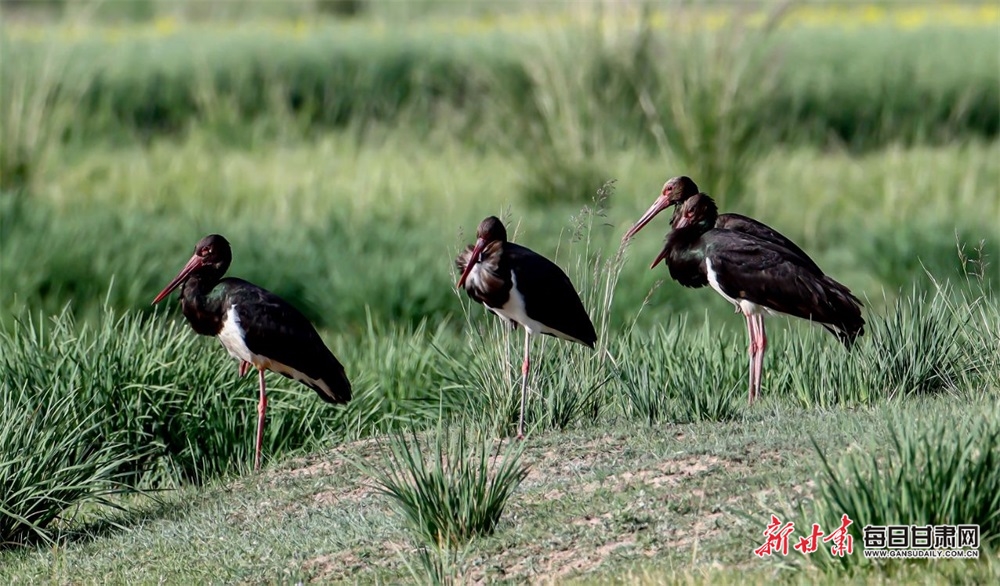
514,309
744,306
233,339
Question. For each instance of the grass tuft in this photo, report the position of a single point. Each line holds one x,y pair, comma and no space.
58,451
448,487
674,374
938,471
397,372
160,386
914,348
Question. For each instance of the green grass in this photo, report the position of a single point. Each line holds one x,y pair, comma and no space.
452,488
176,398
711,99
58,454
601,503
937,471
307,219
174,411
347,167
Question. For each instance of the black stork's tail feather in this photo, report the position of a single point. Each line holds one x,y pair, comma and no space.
336,381
846,323
340,386
331,384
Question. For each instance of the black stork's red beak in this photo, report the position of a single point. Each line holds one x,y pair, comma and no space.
662,202
659,257
679,222
473,259
194,263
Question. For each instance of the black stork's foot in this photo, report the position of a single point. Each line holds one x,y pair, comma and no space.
754,393
520,437
244,368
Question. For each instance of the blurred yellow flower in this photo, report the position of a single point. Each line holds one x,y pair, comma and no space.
699,18
910,19
165,26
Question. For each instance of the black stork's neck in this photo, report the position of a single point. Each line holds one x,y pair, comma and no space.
202,287
490,279
684,250
202,303
486,270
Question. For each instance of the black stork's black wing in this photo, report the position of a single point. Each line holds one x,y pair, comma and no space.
769,275
549,295
274,329
746,225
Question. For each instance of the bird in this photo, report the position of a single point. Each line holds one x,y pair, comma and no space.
756,275
679,189
256,327
523,288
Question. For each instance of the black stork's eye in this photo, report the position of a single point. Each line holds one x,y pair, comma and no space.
205,251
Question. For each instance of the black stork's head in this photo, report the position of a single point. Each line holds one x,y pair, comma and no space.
490,230
210,261
676,190
694,217
699,210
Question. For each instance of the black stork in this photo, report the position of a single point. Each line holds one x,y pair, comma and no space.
255,326
677,190
757,276
524,288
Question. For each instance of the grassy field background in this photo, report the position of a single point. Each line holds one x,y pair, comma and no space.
348,155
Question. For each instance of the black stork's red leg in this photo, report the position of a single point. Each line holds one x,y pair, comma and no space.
751,350
758,344
256,327
757,276
526,289
261,417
